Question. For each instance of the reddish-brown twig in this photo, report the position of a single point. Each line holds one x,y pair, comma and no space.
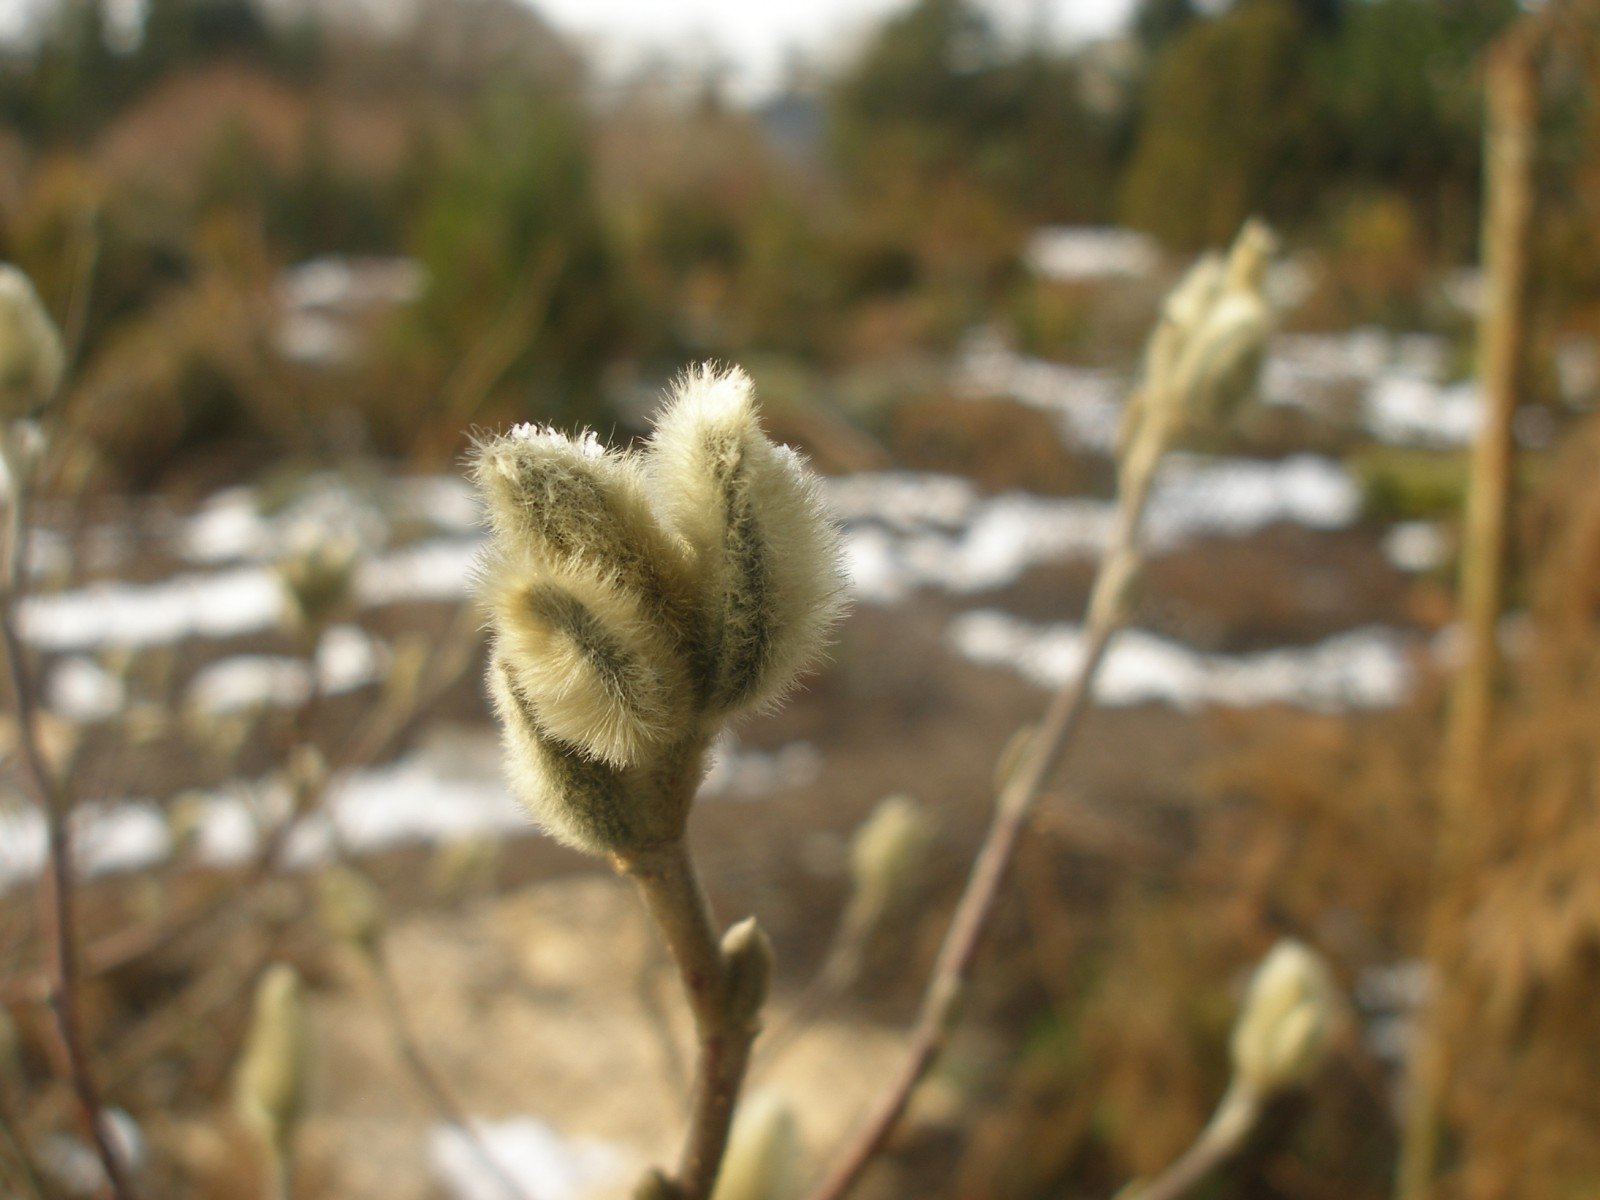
51,794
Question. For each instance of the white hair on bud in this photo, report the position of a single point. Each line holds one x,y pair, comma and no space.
639,600
32,360
574,504
599,672
582,801
1286,1025
766,553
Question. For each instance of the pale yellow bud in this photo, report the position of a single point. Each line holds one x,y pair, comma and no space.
31,357
887,856
763,1159
596,667
583,801
317,583
640,599
766,553
350,908
1285,1029
272,1081
580,510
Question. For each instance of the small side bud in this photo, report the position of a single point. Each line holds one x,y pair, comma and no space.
305,775
317,584
1286,1026
32,360
350,909
887,855
763,1159
747,971
272,1082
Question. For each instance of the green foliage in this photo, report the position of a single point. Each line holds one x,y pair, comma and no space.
1230,128
512,222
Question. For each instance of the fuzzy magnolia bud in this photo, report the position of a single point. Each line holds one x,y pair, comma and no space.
350,908
271,1085
746,971
1285,1028
762,545
639,599
886,856
1205,352
317,583
31,357
1222,355
763,1159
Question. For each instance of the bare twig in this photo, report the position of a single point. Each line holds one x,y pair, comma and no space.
1018,796
951,970
667,880
371,742
428,1082
54,800
1221,1139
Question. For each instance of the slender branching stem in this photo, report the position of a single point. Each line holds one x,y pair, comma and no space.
432,1087
667,880
1221,1139
1019,794
953,966
52,796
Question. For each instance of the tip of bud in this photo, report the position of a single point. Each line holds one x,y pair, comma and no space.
1285,1028
747,971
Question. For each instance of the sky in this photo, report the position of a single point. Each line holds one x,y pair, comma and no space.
751,39
754,38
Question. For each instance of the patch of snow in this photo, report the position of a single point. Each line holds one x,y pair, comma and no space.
437,569
999,537
222,604
81,690
347,658
231,527
545,1165
1416,546
1089,253
1367,668
1086,402
1408,410
751,774
73,1163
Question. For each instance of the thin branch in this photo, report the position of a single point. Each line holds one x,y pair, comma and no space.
1019,795
667,880
427,1080
51,795
953,966
1222,1138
